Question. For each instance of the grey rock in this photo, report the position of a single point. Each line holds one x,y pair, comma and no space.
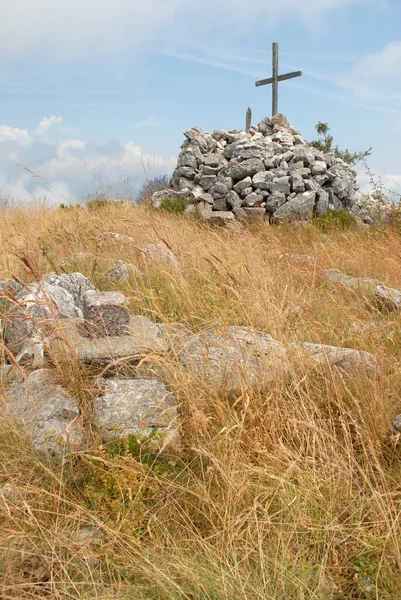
247,168
234,200
281,120
246,192
299,208
74,283
106,313
140,407
274,201
250,214
187,159
253,199
243,184
161,253
304,154
220,204
43,410
318,168
297,182
347,361
187,172
236,358
222,186
122,271
395,428
281,184
263,180
268,163
210,170
322,203
158,197
219,217
214,160
341,188
207,182
387,297
333,199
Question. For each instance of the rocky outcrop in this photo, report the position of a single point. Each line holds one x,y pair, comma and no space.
267,173
382,295
232,359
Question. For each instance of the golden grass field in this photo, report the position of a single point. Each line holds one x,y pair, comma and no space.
291,493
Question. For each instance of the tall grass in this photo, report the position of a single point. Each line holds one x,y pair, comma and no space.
286,493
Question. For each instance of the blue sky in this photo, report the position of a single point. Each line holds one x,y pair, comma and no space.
104,89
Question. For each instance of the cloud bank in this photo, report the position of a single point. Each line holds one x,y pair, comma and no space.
73,167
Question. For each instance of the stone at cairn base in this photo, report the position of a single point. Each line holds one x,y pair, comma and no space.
106,313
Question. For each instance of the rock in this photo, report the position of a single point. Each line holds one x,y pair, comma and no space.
46,412
139,407
297,182
253,199
280,120
281,184
242,185
237,357
274,201
385,297
301,258
106,313
234,200
158,197
299,208
120,237
222,187
318,168
220,204
74,283
219,217
395,428
161,253
345,360
322,204
142,337
207,182
247,168
122,271
250,214
304,154
263,180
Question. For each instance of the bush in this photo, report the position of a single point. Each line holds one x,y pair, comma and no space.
335,219
150,186
174,205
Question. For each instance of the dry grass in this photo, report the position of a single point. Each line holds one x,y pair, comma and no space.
291,493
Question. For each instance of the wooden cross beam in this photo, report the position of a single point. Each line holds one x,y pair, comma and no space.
276,78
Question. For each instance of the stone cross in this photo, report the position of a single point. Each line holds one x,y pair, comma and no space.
276,78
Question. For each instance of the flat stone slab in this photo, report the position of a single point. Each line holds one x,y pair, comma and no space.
239,356
106,313
143,337
347,361
47,413
141,407
386,297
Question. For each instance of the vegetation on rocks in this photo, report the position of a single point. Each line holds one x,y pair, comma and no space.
287,492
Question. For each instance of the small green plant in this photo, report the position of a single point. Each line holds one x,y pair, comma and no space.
325,143
174,205
335,219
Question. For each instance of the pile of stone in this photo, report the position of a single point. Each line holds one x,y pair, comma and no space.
68,315
268,173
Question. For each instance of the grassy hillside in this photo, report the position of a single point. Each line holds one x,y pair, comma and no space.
291,493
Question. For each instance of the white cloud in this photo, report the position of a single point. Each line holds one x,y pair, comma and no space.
100,25
71,167
377,76
12,134
46,123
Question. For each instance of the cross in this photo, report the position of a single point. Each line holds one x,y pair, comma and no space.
276,78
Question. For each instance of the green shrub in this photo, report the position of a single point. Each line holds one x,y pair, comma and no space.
174,205
335,219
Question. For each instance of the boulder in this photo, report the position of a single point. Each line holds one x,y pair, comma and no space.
161,253
298,208
236,357
106,313
346,361
47,413
140,407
